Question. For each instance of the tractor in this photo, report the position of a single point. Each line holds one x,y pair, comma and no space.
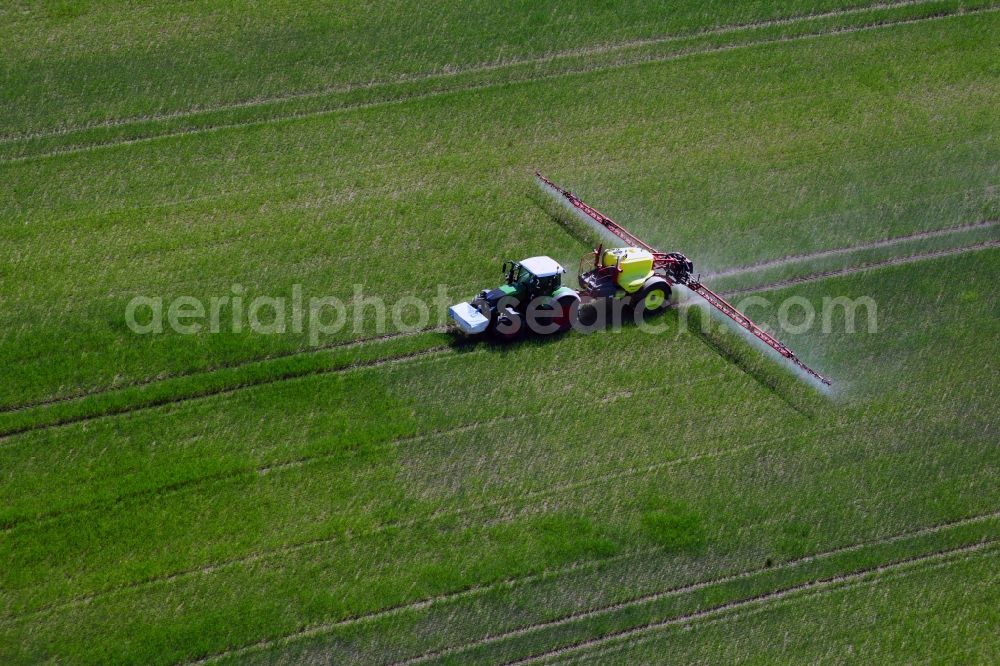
638,275
532,294
534,298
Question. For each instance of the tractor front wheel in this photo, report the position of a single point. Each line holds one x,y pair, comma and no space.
508,324
654,295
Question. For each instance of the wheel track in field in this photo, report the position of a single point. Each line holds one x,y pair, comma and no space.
446,72
733,615
823,586
512,172
527,499
208,393
437,350
836,31
441,350
829,583
139,383
872,245
875,575
321,628
884,263
166,490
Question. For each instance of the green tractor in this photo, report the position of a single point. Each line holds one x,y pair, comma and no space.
532,295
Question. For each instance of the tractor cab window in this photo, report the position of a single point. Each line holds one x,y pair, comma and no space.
525,278
548,284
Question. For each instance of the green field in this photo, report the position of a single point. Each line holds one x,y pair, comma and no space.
388,494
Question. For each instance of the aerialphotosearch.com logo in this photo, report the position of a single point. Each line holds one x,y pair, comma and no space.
320,317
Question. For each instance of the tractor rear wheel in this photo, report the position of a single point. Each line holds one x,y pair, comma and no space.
654,295
567,307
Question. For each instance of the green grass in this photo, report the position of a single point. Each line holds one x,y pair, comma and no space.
97,67
156,393
952,619
485,504
248,498
720,162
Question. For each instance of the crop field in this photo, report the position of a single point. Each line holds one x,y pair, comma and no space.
385,492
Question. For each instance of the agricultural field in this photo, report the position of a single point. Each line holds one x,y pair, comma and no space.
385,492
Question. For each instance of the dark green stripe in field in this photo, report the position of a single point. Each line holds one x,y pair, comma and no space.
169,391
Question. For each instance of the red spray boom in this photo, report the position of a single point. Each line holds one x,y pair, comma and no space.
679,269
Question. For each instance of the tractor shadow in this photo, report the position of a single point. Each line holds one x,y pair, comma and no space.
734,350
592,318
566,219
602,319
756,364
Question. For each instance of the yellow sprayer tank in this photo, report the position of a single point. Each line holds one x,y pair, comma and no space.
635,263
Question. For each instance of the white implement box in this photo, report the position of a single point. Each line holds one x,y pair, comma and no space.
470,320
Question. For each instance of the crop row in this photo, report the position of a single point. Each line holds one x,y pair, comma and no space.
97,72
433,515
394,184
952,622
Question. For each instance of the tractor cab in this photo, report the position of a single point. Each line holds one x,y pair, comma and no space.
504,306
533,277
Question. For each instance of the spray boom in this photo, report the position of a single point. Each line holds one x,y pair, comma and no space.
678,269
